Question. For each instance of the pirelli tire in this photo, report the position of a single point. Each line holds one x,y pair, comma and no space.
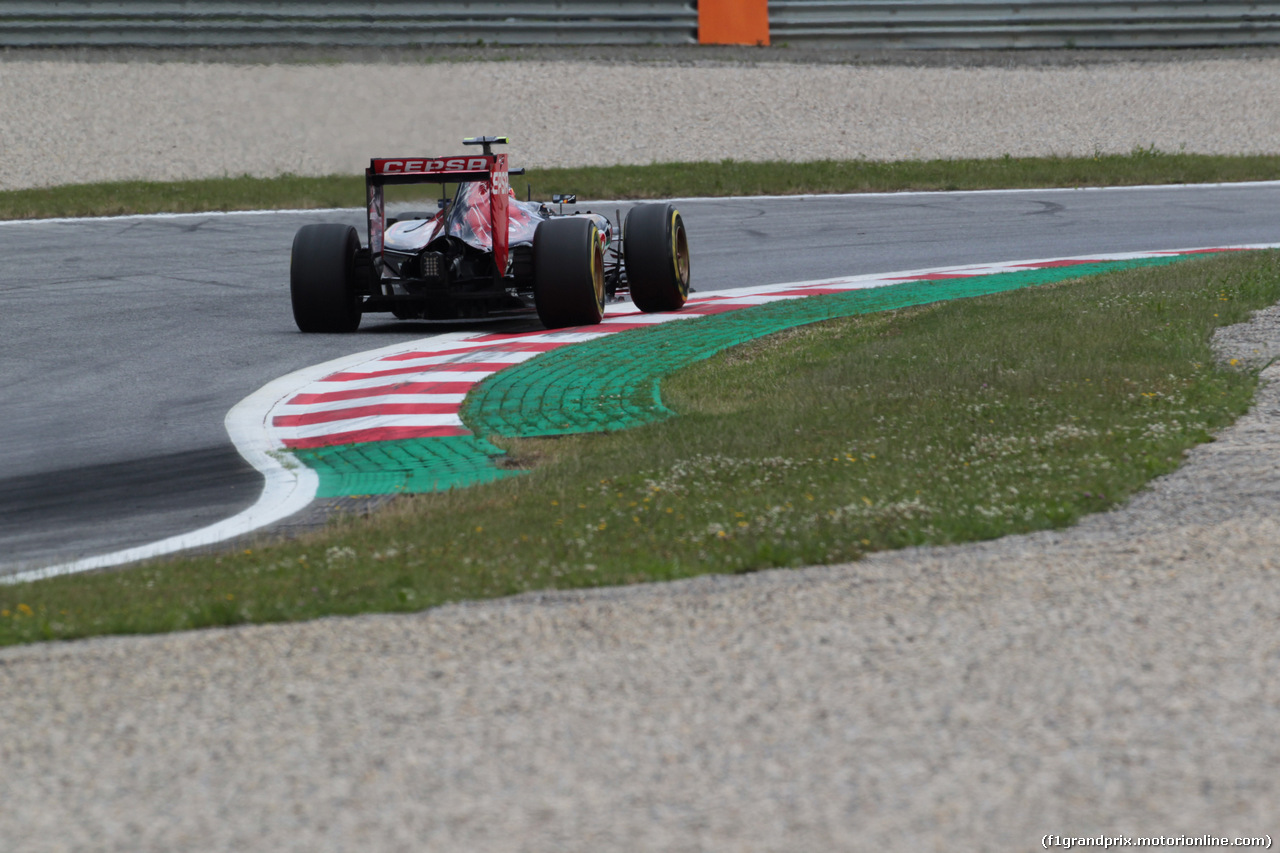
568,272
322,279
655,249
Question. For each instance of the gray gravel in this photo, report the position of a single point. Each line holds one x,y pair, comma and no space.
72,122
1115,678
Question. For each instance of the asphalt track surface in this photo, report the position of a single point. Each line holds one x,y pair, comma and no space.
125,341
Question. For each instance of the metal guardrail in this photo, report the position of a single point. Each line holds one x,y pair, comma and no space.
956,24
963,24
386,23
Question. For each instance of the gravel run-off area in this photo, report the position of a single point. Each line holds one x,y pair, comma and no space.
77,122
1118,677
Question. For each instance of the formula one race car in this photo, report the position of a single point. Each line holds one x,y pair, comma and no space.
484,253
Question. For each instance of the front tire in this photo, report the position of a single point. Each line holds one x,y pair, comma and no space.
322,279
655,250
568,273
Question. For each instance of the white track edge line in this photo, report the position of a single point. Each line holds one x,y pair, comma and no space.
800,197
291,486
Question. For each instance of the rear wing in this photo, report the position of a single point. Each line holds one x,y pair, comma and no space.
488,167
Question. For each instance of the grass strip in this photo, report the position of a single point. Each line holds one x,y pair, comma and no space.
613,383
661,180
939,423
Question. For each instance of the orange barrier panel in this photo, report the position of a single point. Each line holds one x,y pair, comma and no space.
733,22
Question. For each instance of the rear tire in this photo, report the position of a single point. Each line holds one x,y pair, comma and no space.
322,279
655,250
568,273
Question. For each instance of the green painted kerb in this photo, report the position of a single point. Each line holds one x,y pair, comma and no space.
408,465
612,383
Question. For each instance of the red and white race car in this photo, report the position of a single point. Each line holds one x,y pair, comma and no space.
484,253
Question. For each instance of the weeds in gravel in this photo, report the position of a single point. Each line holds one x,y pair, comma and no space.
663,180
943,423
